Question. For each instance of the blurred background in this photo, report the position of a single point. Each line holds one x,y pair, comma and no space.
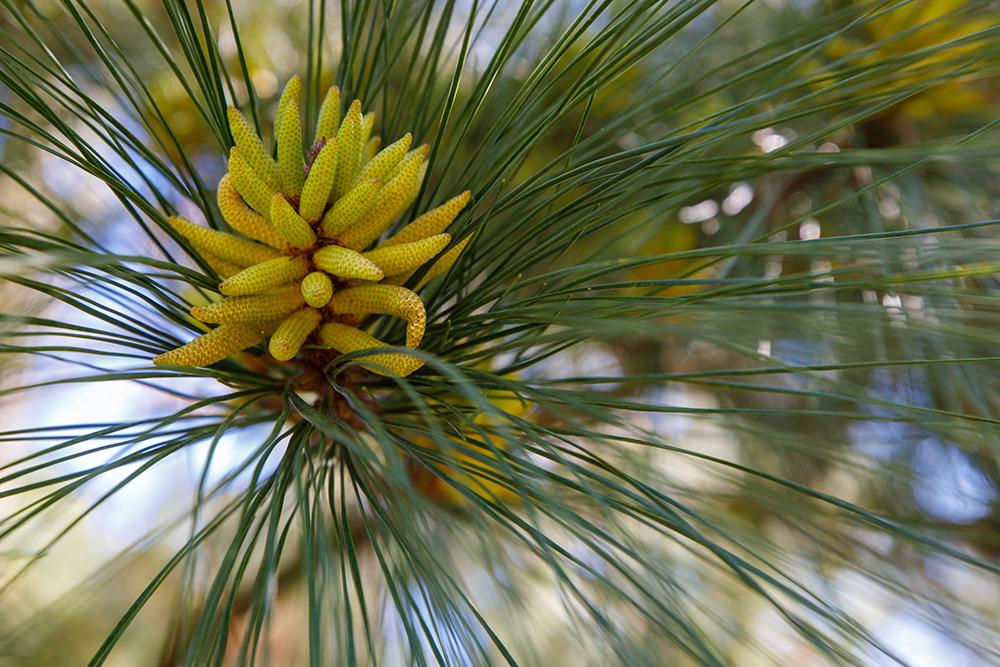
888,156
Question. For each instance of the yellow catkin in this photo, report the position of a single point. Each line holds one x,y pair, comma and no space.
245,309
244,219
213,346
433,222
347,339
345,263
417,155
350,142
227,247
384,300
316,190
371,149
254,191
367,124
288,133
290,224
223,268
352,193
443,264
387,159
266,275
252,149
407,257
329,115
415,190
391,201
287,340
317,288
349,208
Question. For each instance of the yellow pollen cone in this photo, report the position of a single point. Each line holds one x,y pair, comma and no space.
254,191
443,264
245,309
392,199
252,149
329,115
288,134
417,155
266,275
317,288
243,219
371,149
345,263
347,339
367,123
316,190
220,266
384,300
421,175
287,340
290,224
350,141
387,159
349,208
433,222
213,346
407,257
225,246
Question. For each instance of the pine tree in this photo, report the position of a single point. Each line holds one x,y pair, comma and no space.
635,332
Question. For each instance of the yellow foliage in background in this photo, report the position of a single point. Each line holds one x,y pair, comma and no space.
942,30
